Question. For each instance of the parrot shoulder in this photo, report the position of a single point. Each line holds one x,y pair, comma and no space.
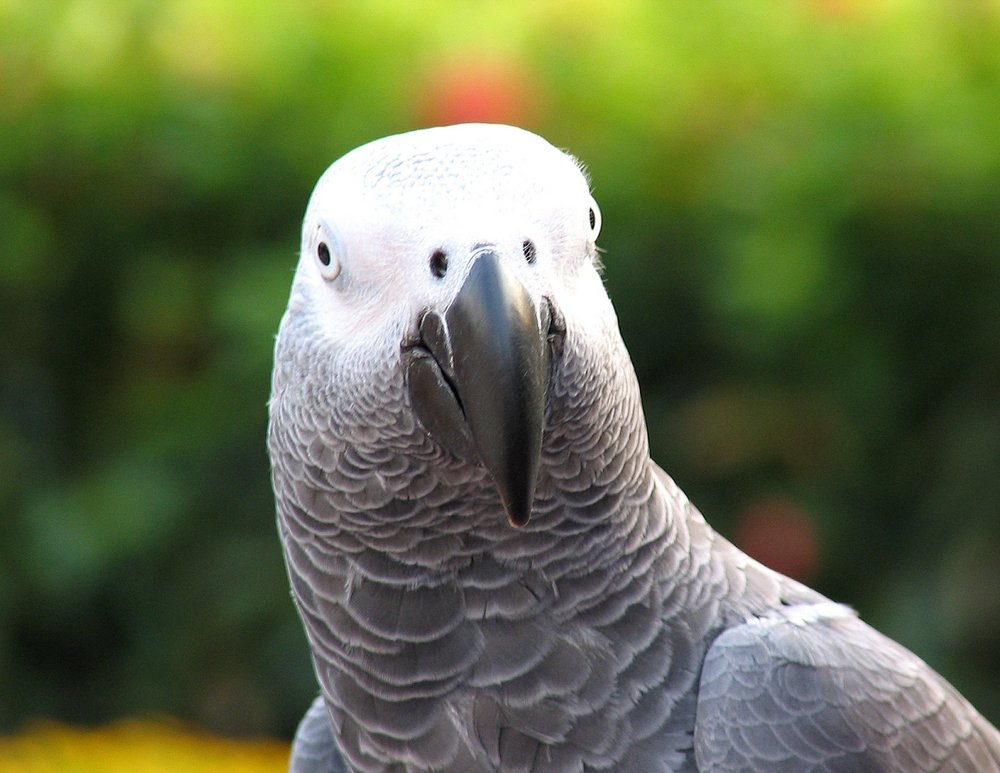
812,687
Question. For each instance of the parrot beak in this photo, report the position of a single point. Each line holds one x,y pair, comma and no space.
478,379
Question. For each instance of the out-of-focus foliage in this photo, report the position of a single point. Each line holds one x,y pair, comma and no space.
130,746
802,223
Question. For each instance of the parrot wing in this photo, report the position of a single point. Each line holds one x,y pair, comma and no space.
813,688
314,749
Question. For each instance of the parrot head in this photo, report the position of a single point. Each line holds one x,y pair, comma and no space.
448,281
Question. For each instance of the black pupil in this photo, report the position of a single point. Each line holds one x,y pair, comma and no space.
593,218
528,247
439,263
324,253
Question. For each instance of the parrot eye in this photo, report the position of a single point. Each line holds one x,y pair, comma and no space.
529,250
327,253
329,266
439,263
594,219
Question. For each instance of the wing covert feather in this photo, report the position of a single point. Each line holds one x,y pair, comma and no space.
812,687
314,749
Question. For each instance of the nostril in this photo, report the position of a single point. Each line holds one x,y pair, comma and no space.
439,263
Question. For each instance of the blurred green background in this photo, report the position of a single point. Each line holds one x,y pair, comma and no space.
801,206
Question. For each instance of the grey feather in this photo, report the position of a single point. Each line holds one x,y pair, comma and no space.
814,688
615,630
314,749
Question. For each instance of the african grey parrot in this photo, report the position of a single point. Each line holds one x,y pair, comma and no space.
492,573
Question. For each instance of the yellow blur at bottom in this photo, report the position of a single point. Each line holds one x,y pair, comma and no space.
135,746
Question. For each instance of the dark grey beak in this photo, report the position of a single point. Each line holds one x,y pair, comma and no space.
478,379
